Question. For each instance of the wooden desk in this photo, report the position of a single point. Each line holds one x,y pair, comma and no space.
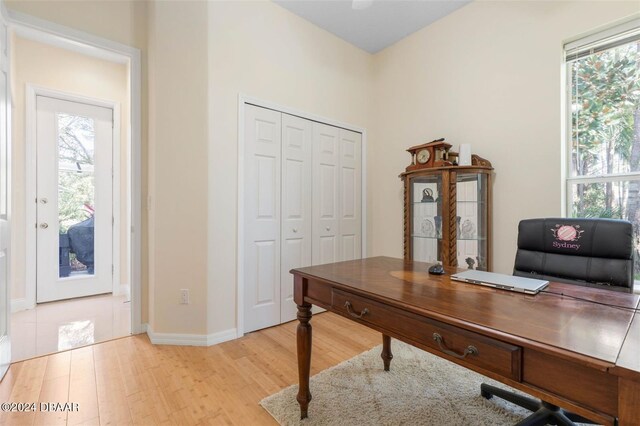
579,355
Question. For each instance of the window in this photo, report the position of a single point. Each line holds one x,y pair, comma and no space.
603,127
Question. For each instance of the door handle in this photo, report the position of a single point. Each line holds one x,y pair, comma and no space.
44,200
44,225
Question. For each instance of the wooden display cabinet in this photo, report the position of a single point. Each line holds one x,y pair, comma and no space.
447,215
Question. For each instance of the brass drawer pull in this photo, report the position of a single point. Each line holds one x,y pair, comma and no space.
364,312
471,350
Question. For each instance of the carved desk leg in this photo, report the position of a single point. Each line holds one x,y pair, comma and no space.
304,358
386,355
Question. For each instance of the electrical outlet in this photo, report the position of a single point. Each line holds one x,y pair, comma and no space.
184,296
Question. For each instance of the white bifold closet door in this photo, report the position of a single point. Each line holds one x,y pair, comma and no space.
263,130
337,219
350,202
326,194
296,206
302,207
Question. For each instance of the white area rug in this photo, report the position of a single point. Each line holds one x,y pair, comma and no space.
420,389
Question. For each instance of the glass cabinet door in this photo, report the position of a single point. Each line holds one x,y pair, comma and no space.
426,218
471,220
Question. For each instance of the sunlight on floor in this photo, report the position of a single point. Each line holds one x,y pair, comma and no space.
76,334
67,324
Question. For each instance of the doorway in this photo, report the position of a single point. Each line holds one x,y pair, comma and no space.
74,199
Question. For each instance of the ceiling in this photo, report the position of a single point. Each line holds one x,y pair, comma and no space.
376,27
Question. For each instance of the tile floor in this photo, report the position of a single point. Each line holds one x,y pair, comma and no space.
58,326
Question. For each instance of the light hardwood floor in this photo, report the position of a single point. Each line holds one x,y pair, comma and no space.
131,381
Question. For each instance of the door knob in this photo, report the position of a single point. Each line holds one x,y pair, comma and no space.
44,225
295,230
328,228
44,200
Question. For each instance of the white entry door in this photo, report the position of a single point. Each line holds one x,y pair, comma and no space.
74,199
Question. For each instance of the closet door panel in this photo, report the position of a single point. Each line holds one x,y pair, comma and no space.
296,206
265,253
326,187
350,238
262,217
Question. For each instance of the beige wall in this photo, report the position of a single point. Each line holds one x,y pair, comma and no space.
178,165
488,75
263,51
123,21
192,152
58,69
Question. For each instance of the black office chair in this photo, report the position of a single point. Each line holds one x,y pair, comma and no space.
587,252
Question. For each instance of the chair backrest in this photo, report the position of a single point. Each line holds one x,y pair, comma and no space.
588,252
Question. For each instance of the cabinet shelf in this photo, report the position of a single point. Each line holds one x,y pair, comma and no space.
424,237
439,238
438,202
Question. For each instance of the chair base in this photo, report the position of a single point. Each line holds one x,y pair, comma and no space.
543,412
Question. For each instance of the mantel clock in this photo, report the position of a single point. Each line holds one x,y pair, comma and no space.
430,154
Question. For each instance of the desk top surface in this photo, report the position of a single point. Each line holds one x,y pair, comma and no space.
579,326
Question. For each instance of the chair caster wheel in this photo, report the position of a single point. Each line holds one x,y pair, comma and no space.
486,395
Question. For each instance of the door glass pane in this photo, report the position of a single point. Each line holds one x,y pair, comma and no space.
471,220
76,194
426,228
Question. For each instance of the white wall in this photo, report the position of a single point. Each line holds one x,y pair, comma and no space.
489,75
58,69
264,51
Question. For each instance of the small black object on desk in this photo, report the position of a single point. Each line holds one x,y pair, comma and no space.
436,269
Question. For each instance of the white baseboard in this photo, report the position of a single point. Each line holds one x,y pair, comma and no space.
122,289
189,339
221,336
142,330
21,304
125,289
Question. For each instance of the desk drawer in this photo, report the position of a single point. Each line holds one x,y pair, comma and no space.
489,354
